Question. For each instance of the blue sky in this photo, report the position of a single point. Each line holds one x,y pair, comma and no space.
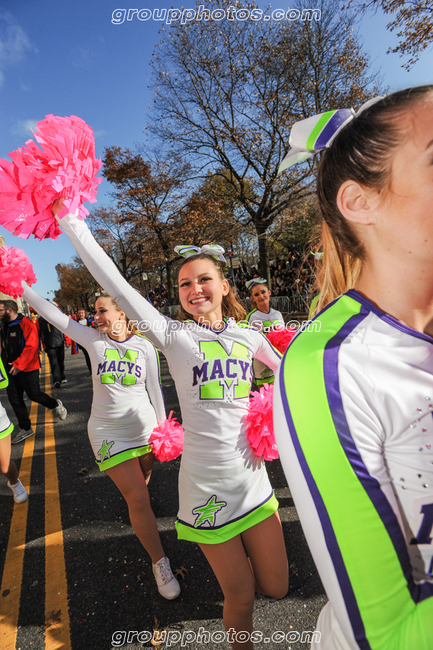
70,59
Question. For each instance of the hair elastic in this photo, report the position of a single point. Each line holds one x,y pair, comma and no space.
250,283
208,249
316,133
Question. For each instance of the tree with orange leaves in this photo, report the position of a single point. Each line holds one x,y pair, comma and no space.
156,209
77,286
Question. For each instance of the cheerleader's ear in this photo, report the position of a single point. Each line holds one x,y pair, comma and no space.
357,203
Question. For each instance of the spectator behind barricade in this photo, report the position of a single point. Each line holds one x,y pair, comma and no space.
20,356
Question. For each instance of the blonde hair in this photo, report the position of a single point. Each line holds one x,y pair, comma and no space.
131,327
361,152
340,272
231,306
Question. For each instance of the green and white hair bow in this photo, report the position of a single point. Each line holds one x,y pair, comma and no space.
251,283
208,249
316,133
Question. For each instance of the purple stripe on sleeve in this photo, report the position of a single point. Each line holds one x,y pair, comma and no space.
387,318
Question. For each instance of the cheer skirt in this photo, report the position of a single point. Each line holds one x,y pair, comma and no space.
218,503
6,426
116,439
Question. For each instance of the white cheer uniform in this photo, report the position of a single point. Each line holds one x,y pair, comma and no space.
353,420
125,375
263,321
224,488
6,426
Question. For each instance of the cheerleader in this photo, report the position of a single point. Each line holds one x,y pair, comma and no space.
262,318
7,466
227,505
354,398
127,405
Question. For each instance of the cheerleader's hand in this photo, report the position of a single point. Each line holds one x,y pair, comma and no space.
58,205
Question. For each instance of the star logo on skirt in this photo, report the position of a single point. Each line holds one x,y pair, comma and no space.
208,512
104,452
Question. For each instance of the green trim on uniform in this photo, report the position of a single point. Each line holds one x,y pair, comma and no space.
223,534
122,456
268,380
390,617
4,379
7,432
313,306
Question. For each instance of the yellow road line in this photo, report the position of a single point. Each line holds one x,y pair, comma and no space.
56,594
13,568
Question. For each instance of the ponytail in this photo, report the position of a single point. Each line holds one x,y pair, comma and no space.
337,271
362,152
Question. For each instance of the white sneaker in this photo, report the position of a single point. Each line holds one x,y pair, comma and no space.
20,492
60,410
64,381
22,435
167,584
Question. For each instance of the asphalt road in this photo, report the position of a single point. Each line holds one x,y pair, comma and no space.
75,577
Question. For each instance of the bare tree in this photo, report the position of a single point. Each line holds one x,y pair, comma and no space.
157,209
77,286
228,92
413,19
119,239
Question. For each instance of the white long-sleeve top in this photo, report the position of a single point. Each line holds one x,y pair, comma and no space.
353,422
212,369
125,374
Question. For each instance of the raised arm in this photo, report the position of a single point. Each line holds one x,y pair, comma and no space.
149,320
71,328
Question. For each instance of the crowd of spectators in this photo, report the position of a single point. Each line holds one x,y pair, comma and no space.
158,296
291,276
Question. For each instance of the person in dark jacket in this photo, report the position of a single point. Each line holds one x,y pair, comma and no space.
84,320
20,356
54,343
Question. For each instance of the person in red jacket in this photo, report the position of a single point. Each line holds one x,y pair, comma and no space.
20,356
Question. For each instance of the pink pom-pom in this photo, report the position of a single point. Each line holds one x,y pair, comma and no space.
63,166
261,424
167,439
14,267
280,337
